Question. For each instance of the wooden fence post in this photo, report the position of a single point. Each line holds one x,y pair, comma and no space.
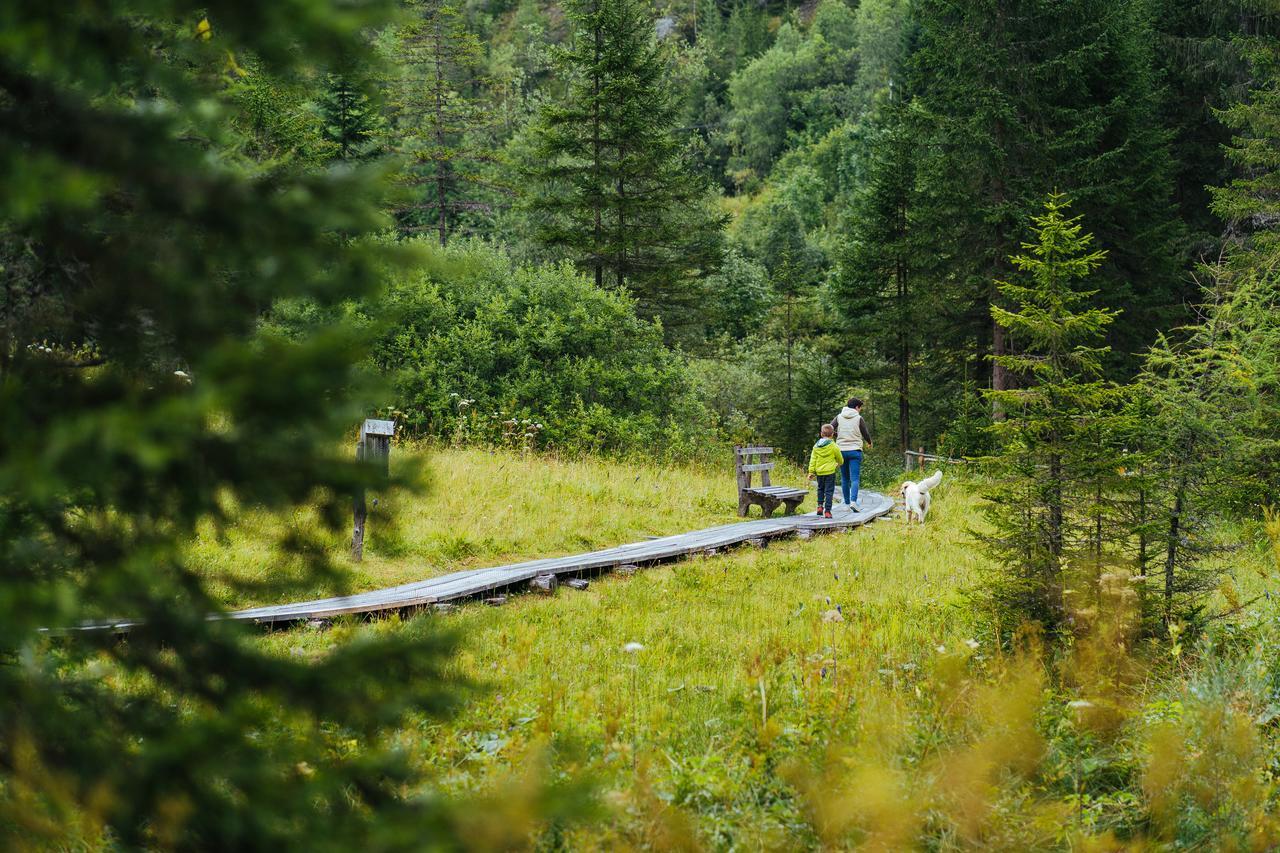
374,447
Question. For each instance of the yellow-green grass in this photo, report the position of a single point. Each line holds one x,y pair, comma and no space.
849,666
748,658
476,508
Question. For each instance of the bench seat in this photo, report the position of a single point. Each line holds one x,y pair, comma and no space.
766,495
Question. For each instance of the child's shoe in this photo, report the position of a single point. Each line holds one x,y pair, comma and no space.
819,512
826,514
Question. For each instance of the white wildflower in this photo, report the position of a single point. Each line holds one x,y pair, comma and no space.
633,647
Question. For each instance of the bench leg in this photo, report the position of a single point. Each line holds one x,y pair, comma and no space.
792,504
744,505
768,505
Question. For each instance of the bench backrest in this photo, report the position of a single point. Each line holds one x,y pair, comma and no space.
744,467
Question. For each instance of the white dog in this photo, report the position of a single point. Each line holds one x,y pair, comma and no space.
916,496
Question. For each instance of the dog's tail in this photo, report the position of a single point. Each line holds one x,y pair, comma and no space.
932,480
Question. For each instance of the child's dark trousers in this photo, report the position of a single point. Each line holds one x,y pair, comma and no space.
826,490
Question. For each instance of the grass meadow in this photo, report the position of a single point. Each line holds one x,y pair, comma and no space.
835,693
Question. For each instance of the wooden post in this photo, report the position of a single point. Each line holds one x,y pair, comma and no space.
359,511
920,459
373,447
744,481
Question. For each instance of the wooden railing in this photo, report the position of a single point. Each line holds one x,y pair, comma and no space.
922,459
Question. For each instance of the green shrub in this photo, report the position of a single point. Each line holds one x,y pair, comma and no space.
481,349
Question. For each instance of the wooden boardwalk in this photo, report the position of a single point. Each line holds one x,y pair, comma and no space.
476,582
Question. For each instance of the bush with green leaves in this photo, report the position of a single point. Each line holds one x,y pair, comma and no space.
483,349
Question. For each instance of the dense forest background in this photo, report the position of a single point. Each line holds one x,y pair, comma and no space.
811,200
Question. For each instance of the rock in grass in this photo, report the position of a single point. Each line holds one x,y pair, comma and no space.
545,584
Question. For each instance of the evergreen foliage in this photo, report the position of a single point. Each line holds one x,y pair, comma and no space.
607,180
880,287
350,121
1019,98
138,404
439,117
1049,446
1250,202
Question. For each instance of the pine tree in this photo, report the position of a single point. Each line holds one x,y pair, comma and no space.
607,183
1213,385
1046,452
351,122
1209,429
141,403
1250,203
879,284
1022,96
439,119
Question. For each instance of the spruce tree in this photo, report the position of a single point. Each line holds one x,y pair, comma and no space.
1207,418
350,120
879,284
1213,385
141,403
1250,202
439,119
607,182
1019,97
1048,448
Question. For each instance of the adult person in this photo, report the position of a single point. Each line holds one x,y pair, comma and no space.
851,437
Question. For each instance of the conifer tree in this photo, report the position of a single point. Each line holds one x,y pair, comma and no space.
879,281
350,121
607,183
1205,419
439,119
1045,449
141,403
1250,202
1213,385
1022,96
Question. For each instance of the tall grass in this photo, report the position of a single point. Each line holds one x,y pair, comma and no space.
840,692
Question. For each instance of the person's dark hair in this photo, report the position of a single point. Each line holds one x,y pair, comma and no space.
855,403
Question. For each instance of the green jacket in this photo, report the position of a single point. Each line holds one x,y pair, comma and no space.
825,458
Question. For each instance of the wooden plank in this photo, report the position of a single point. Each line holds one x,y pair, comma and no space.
625,559
760,466
752,451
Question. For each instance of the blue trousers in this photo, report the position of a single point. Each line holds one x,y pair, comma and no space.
851,475
826,490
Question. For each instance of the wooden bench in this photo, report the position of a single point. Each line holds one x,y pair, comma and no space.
767,496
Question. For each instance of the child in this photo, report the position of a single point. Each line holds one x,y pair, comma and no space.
824,461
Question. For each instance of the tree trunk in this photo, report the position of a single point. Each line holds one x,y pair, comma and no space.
904,361
1172,544
596,143
789,340
442,178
